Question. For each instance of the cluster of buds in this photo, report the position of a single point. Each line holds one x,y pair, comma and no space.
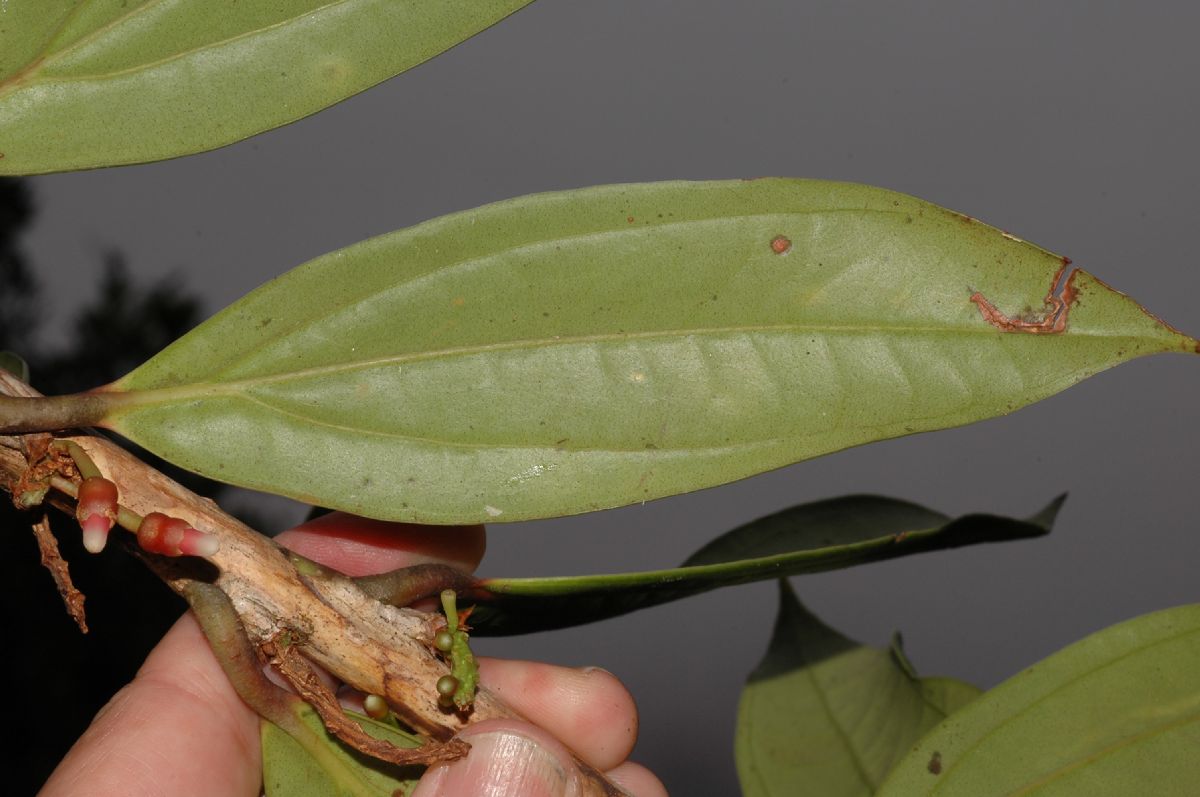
174,537
97,511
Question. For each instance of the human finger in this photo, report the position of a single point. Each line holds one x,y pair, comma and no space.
637,780
588,709
178,728
360,546
509,758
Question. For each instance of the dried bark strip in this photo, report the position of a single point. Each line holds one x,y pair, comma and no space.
298,672
61,573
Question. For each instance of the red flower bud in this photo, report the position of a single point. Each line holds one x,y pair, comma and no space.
174,537
96,511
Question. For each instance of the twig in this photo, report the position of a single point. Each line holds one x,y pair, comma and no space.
373,647
52,560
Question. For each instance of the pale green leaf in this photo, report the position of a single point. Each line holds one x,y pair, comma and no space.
948,695
566,352
1113,715
107,82
825,716
809,538
15,365
325,767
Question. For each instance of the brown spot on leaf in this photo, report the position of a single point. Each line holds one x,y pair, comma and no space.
781,244
629,219
935,763
1055,320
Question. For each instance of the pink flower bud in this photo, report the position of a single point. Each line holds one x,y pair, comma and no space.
174,537
96,511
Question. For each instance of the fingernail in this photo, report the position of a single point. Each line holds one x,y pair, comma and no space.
590,670
501,764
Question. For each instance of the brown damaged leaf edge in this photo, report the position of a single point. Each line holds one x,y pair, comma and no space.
1055,320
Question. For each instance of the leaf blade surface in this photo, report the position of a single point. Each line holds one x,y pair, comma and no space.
562,353
1113,714
824,715
88,84
324,766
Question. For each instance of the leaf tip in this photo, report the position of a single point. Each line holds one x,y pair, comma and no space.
1047,515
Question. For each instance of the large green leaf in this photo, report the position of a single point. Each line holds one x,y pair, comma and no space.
1116,714
825,716
106,82
566,352
809,538
325,767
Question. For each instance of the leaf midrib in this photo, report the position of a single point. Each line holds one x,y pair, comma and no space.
411,438
843,734
235,387
687,575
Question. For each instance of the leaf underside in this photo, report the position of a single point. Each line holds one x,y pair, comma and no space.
331,767
85,84
567,352
1115,714
809,538
824,715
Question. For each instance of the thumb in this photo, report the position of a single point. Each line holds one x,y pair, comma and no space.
507,759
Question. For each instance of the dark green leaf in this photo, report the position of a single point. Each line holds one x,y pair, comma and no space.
810,538
327,768
1115,714
823,715
86,84
567,352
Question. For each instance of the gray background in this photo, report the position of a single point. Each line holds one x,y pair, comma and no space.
1073,124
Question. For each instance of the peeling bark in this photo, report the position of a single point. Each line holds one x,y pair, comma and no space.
52,560
300,674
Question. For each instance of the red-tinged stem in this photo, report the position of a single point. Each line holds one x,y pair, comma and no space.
410,584
232,647
51,413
